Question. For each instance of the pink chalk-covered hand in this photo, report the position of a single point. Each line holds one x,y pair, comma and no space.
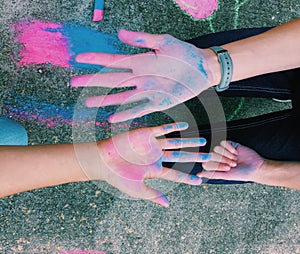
233,161
134,156
173,72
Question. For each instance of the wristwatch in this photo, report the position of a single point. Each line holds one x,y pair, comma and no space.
226,67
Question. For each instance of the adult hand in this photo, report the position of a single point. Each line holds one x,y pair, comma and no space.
233,161
173,72
131,157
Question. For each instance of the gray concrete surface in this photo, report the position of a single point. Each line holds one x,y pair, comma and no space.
206,219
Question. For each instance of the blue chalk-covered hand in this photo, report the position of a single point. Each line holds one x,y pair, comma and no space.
171,73
232,161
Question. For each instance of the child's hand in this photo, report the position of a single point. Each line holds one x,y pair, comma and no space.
233,161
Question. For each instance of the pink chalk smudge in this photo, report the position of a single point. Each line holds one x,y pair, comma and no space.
98,15
198,9
41,46
83,252
52,120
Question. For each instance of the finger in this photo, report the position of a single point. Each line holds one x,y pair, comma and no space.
216,166
214,175
104,59
230,146
180,156
168,128
220,150
153,195
134,112
179,177
141,39
176,143
218,158
116,79
112,99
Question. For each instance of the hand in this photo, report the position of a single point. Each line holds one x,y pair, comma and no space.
131,157
232,161
174,72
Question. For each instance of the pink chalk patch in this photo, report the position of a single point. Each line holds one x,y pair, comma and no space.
198,9
41,44
83,252
98,15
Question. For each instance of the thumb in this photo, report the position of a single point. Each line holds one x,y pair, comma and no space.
155,196
141,39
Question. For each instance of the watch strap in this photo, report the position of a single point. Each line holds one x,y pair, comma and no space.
226,67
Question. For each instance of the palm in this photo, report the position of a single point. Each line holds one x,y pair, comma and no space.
174,73
248,163
137,155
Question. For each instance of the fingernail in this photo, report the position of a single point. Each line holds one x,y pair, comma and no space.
89,102
195,179
182,125
202,141
198,141
83,58
122,31
163,200
111,119
227,168
233,164
79,58
74,82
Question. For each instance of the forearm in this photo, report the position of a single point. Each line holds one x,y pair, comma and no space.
32,167
275,50
278,173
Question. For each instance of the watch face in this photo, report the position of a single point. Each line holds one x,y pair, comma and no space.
222,51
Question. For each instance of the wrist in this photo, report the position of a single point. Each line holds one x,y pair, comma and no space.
270,173
213,67
89,156
262,172
107,159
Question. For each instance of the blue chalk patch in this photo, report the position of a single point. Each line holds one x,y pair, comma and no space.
176,154
203,140
30,105
181,175
193,177
234,144
99,5
168,127
205,156
201,68
81,39
140,41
